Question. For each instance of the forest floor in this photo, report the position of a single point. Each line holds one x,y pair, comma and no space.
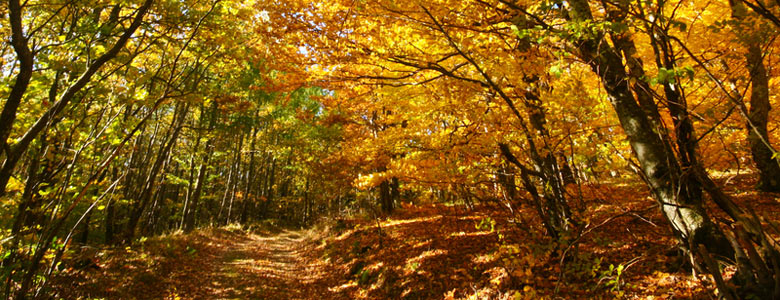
219,263
430,251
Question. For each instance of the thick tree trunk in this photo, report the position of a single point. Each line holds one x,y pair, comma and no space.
659,165
763,153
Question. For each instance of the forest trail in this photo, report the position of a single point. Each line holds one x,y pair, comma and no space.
254,266
266,267
217,263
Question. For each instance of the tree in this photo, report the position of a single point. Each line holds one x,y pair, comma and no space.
758,114
24,55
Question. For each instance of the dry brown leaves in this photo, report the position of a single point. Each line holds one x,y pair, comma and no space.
420,252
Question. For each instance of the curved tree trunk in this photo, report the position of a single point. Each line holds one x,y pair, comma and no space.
13,154
659,165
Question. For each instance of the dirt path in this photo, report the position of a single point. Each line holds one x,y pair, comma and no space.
266,267
271,267
208,264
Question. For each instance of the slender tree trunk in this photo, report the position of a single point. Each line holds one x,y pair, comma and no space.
154,215
110,213
190,177
529,185
231,174
677,105
269,191
194,200
385,198
263,192
507,179
758,114
84,238
192,213
237,165
249,177
151,179
545,163
395,190
109,221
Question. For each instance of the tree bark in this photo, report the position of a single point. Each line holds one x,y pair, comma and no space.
758,114
660,166
25,58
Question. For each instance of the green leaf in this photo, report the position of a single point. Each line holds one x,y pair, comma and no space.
556,70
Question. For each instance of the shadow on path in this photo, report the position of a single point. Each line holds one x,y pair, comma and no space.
264,267
207,264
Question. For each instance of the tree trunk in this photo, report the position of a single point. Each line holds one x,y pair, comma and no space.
231,174
506,178
109,222
385,197
395,190
191,174
195,198
151,179
249,178
25,58
270,187
659,165
758,114
84,237
237,166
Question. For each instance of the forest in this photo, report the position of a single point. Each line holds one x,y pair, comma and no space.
389,149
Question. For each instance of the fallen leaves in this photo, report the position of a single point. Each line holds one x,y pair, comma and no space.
421,252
